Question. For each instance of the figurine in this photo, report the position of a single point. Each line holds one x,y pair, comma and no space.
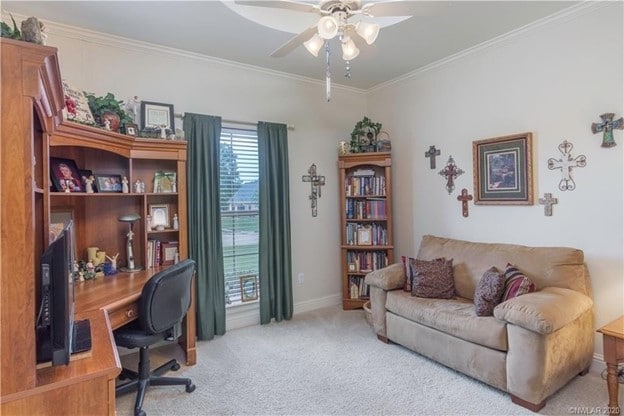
176,223
163,131
124,185
137,187
142,186
89,184
113,264
107,125
174,187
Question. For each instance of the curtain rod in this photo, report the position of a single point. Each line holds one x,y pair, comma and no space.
246,123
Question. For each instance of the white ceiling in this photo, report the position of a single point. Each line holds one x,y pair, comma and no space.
211,28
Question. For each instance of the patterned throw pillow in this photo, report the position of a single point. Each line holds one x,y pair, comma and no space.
516,283
77,106
433,279
489,292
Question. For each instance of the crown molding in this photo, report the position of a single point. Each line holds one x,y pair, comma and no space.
137,46
559,17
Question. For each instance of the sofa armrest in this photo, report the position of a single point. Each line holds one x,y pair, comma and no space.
388,278
544,311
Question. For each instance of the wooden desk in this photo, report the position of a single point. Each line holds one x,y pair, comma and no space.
119,296
613,347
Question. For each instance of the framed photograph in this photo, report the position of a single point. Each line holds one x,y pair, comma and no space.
165,182
108,183
131,129
84,175
160,216
364,236
156,115
249,287
65,175
503,170
352,267
168,252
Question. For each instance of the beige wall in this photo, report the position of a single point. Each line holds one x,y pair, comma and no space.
552,80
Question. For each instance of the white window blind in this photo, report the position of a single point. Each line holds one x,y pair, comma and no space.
239,207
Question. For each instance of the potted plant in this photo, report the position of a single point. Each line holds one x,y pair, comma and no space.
364,134
107,110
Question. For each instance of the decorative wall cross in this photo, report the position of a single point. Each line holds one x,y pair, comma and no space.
316,181
464,198
548,201
431,154
566,163
607,126
450,172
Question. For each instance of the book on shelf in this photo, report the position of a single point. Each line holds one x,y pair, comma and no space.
364,172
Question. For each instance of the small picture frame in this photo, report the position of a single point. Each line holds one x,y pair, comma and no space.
65,175
132,129
108,183
156,115
168,252
364,236
160,216
249,287
165,182
352,267
503,170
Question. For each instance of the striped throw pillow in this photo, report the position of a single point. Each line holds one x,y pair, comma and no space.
516,283
407,271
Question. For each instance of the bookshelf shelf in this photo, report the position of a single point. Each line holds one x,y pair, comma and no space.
366,221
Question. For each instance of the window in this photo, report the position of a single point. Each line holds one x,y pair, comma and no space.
239,208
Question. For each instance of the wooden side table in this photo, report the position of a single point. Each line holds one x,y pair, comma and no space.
613,349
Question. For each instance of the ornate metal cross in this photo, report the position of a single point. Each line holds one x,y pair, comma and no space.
464,198
548,201
607,126
431,154
450,172
566,163
316,181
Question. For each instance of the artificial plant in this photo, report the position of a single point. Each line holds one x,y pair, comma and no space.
362,128
99,105
7,32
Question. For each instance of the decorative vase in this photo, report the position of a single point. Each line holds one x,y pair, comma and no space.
343,148
112,118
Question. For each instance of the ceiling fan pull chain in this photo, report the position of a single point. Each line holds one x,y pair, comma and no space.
327,73
348,69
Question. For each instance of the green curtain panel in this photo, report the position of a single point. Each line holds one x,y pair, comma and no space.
204,221
276,300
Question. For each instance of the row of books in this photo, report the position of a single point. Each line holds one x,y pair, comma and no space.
161,253
358,288
366,209
366,185
360,234
366,261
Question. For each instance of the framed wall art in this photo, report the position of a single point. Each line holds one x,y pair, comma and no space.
160,216
165,182
249,287
503,170
156,115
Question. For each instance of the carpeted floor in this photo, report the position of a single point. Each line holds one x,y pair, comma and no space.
329,362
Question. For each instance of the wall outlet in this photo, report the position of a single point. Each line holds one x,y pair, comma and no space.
300,278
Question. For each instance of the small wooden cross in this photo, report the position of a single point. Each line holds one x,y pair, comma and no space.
566,163
450,172
548,201
464,198
606,126
316,181
431,154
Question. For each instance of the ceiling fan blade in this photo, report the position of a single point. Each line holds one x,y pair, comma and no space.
281,4
292,44
403,8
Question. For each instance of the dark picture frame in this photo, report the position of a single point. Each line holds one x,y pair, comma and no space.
249,287
155,115
169,250
503,170
131,129
64,174
107,183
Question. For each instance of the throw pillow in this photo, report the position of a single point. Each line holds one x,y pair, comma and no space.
516,283
407,270
433,279
77,106
489,292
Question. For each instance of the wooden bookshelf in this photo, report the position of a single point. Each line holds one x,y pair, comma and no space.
366,241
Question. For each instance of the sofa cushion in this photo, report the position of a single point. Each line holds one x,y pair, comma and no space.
455,317
545,266
489,292
432,279
516,283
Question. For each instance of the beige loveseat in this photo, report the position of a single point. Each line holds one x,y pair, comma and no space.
532,346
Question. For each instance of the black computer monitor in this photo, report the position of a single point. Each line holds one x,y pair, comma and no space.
55,319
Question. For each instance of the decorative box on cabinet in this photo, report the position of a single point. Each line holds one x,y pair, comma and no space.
366,221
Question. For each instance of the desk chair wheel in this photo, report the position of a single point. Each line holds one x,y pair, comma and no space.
190,388
140,413
175,367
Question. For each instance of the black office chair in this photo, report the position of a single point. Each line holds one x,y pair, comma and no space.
165,299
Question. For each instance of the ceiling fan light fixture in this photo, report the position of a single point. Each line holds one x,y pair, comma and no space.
349,50
314,44
368,31
327,27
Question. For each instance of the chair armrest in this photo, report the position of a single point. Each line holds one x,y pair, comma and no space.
544,311
388,278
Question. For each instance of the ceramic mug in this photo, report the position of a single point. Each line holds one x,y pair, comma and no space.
343,148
